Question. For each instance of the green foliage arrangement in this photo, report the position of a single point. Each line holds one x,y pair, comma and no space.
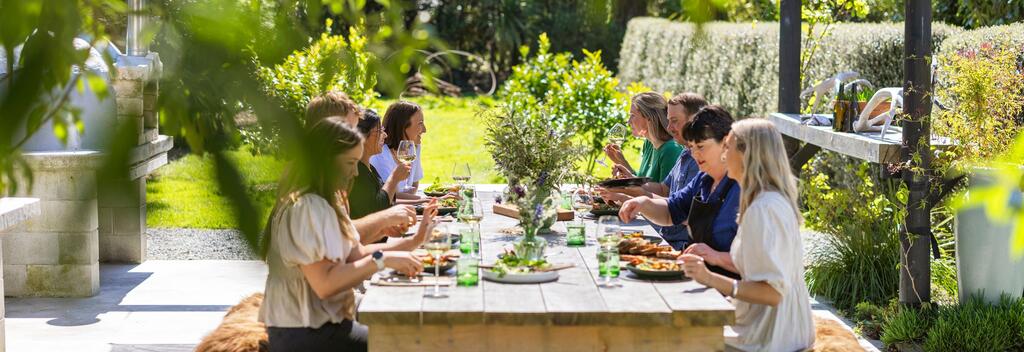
570,95
523,148
736,64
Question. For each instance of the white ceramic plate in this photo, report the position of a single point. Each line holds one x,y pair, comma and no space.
531,278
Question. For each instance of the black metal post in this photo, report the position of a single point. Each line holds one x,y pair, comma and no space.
789,57
915,272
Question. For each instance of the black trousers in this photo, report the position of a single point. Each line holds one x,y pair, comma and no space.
333,337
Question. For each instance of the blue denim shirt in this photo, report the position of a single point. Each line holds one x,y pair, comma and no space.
684,171
724,226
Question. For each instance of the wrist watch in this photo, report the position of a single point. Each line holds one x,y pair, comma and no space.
378,257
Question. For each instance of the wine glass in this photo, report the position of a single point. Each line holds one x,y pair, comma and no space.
609,231
616,135
406,152
472,211
438,242
582,202
461,173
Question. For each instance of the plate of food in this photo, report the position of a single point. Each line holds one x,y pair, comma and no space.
640,234
511,269
437,189
447,263
644,247
602,209
655,268
624,182
445,207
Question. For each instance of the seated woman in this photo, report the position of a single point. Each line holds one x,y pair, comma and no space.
314,253
773,310
648,118
370,197
708,203
681,110
402,121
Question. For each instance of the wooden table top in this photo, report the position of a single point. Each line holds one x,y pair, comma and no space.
574,299
869,146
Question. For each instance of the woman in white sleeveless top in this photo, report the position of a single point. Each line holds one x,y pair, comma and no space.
773,310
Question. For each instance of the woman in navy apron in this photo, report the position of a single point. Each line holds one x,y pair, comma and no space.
709,203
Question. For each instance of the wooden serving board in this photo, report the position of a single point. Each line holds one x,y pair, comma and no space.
513,212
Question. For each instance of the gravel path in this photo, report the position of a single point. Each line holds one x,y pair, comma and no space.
196,244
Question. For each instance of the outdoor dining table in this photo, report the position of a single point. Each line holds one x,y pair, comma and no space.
570,314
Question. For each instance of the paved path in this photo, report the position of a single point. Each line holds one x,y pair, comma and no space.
155,306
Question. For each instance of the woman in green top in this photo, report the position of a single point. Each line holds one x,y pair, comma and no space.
648,118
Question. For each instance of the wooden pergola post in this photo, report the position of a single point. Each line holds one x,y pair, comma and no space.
915,152
915,240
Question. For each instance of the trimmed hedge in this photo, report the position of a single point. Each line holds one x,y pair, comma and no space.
737,65
1008,36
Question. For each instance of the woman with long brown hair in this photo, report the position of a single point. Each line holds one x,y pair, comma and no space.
313,250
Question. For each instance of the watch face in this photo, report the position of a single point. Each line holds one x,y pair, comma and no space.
378,255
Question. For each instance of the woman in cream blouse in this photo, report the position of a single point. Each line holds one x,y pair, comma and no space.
313,251
773,311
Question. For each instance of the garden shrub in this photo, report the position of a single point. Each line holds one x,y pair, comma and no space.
907,324
571,95
977,326
856,259
980,82
736,64
332,62
972,325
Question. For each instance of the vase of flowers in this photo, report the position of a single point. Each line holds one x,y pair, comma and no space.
537,203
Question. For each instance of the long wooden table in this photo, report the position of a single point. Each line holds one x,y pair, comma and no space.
571,314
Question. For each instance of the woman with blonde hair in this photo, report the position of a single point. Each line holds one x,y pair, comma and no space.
648,118
773,311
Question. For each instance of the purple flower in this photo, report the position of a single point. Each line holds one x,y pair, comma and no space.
543,177
538,211
519,191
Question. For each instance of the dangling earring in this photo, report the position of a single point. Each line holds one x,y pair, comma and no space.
723,157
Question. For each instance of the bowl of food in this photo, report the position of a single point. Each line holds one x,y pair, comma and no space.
602,209
438,189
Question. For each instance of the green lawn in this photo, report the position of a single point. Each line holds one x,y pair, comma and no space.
185,193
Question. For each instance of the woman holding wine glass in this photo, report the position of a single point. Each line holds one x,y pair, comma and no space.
404,126
648,118
314,253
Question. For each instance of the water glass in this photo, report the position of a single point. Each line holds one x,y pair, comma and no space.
468,271
576,234
608,266
469,243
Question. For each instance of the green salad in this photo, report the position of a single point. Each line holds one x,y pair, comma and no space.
511,264
436,187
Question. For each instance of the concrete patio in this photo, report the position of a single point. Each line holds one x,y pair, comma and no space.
155,306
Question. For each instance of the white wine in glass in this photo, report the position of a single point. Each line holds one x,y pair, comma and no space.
406,152
438,242
473,212
461,173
